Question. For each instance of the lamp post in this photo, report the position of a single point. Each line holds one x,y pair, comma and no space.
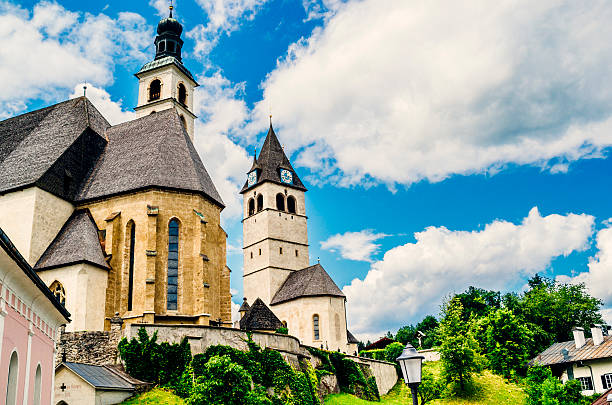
411,362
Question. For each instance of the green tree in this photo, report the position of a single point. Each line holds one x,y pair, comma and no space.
542,388
459,349
478,302
222,383
407,334
430,388
504,340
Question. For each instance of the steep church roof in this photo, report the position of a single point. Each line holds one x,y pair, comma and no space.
351,338
152,151
308,282
260,317
271,159
53,148
77,242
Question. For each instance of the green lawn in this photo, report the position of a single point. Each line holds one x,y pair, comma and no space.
490,390
155,397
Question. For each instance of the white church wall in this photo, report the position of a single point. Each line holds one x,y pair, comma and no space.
35,219
264,284
299,315
85,287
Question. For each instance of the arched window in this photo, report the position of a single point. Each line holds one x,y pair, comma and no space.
291,206
161,46
280,202
183,122
171,46
251,206
13,374
58,291
37,386
131,247
284,323
259,202
182,94
173,260
315,326
155,90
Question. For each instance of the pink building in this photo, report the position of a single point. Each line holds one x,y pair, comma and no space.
29,319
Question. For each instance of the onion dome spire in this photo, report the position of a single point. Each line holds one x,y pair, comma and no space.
168,41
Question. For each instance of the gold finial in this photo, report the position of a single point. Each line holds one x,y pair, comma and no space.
85,90
171,8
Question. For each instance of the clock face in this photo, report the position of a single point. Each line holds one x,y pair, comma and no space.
252,179
286,176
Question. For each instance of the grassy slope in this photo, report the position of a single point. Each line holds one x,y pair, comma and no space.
155,397
490,390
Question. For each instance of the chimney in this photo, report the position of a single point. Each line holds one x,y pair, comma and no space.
578,337
597,334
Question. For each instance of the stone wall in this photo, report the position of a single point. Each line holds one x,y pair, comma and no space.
385,373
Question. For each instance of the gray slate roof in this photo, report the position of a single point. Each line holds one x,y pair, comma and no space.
260,317
308,282
101,377
152,151
271,159
351,338
38,148
553,354
168,60
77,242
245,306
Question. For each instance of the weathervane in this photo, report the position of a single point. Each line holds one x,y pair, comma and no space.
171,8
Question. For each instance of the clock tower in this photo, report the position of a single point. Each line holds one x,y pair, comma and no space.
274,226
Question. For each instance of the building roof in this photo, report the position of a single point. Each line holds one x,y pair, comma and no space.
154,151
35,148
380,343
271,159
165,61
77,242
553,354
245,306
101,377
260,317
13,253
351,338
603,399
308,282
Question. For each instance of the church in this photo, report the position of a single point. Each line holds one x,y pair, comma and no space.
120,219
124,220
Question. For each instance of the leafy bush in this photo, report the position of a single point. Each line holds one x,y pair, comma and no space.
542,388
222,382
282,330
376,354
430,388
351,378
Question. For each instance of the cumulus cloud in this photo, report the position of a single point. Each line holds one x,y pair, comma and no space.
111,110
411,280
161,6
423,90
598,278
224,16
63,48
358,246
222,113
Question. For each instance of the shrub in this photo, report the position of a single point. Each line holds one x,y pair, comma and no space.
283,330
376,354
351,378
542,388
430,388
222,382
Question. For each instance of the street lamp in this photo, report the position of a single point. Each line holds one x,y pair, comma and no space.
410,362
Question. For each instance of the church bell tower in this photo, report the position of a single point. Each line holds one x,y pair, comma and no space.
165,82
274,226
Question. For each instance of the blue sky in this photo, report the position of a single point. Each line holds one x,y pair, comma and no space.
425,132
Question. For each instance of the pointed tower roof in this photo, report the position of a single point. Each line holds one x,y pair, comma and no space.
245,306
260,317
77,242
309,282
271,159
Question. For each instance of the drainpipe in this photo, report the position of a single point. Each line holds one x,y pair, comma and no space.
581,364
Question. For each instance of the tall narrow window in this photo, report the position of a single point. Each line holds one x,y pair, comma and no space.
173,253
251,206
162,46
58,291
315,326
132,230
37,385
183,122
280,202
182,93
11,387
155,90
337,326
259,202
291,204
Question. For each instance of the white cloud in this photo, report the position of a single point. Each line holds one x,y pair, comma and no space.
407,91
411,280
111,110
162,7
47,51
598,278
607,315
235,313
354,245
224,16
222,113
